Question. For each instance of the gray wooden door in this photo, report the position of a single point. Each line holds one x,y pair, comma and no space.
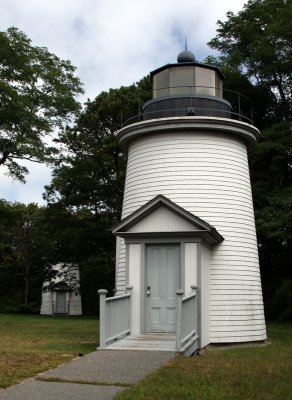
162,280
61,302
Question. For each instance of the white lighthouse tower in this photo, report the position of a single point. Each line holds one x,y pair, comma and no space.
188,218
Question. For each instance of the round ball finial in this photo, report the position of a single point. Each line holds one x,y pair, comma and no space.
185,56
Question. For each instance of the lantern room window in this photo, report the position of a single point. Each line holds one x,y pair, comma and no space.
187,80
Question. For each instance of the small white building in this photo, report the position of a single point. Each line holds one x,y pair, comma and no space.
60,295
187,254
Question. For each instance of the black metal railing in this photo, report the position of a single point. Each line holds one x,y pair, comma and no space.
240,106
183,112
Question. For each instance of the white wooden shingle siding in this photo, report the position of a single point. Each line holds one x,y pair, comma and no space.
47,301
207,174
120,267
162,220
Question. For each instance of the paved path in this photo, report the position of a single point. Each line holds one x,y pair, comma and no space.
98,375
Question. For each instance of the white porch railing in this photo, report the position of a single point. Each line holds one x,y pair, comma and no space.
187,322
115,319
114,316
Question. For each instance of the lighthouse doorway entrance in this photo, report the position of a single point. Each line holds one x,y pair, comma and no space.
163,278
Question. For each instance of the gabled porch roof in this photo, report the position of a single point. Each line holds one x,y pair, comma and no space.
196,227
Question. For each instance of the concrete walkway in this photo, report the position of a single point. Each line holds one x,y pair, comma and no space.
98,375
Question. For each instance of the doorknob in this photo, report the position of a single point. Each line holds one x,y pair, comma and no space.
148,291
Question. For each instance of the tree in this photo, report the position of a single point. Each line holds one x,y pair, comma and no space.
21,252
256,101
34,239
91,173
258,42
256,45
271,174
37,92
85,195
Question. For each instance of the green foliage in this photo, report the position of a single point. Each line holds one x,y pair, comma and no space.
29,308
256,101
85,195
37,92
280,305
80,236
34,239
21,262
271,174
258,41
91,174
256,56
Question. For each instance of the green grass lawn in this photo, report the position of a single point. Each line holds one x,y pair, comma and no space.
242,373
32,344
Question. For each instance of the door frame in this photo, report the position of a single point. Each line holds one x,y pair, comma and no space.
148,322
155,239
163,238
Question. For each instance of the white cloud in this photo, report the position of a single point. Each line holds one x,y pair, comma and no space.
31,191
112,43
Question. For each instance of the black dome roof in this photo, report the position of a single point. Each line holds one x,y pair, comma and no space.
185,56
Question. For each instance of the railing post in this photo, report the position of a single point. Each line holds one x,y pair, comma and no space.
194,288
239,106
129,289
179,295
102,318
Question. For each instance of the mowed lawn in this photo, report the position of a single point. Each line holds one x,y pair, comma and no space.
30,344
245,373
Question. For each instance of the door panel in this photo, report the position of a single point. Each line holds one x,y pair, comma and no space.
163,278
61,303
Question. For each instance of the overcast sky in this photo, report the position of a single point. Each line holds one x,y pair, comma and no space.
112,43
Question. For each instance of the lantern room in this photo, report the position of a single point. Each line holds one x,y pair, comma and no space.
186,88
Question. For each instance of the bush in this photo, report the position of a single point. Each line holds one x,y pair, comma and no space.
30,308
280,306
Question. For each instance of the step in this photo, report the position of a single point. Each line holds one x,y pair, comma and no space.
148,341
